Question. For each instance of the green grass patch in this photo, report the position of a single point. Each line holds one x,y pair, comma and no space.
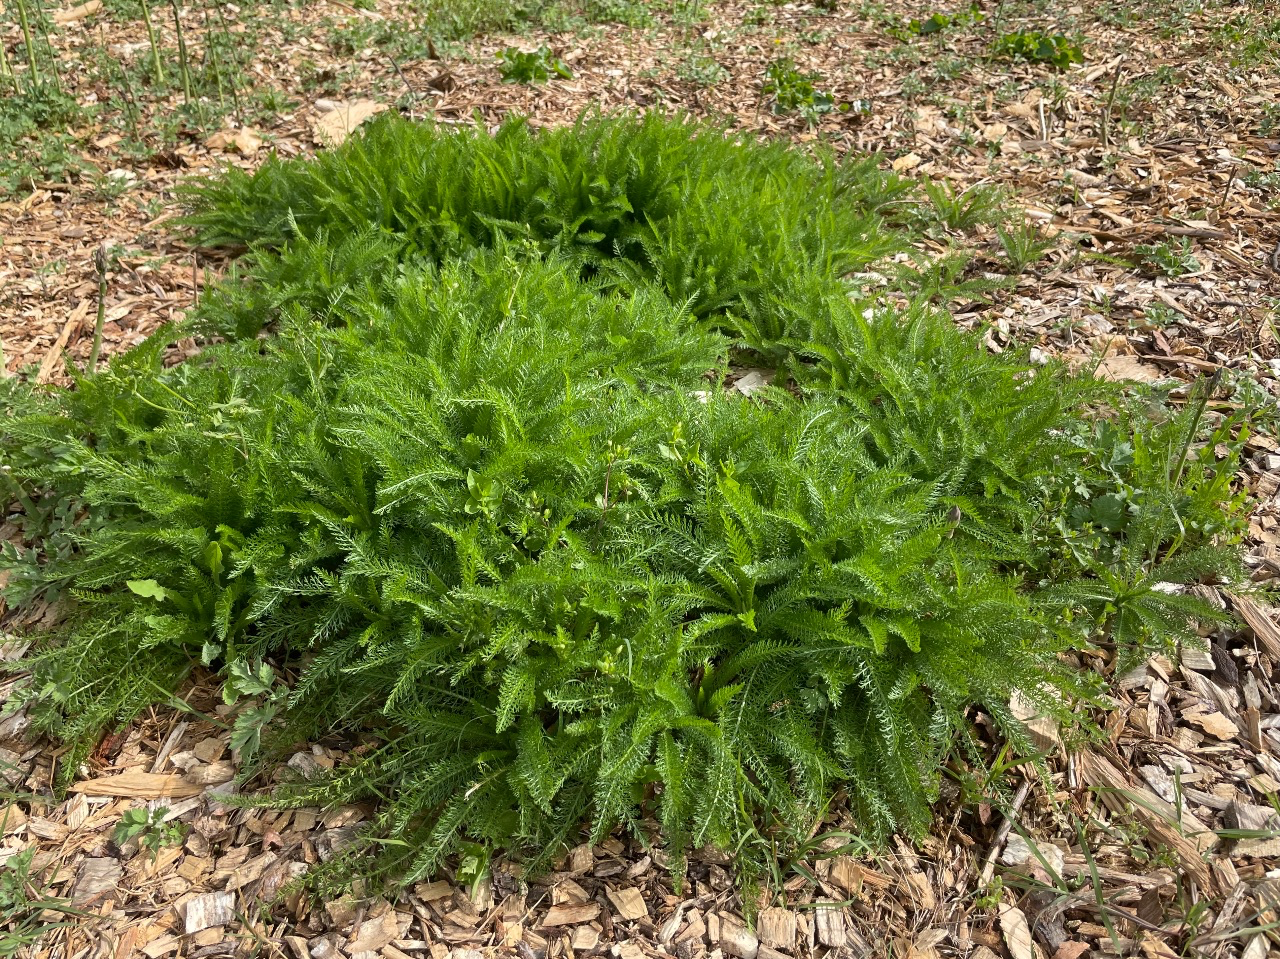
481,499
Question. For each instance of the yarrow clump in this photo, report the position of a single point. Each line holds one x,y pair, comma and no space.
481,497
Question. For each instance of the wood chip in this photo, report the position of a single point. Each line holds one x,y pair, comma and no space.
732,936
629,903
373,934
1182,832
1262,620
77,13
569,913
333,128
1017,934
208,911
1212,722
95,879
1124,367
139,785
777,928
830,922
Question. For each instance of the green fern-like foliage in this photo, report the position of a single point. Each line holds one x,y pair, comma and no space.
482,497
718,222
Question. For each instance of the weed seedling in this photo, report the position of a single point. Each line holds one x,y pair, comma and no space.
148,826
796,92
1023,244
534,66
25,906
963,210
1036,47
1168,259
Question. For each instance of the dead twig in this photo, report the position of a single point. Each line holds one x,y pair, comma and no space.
1002,833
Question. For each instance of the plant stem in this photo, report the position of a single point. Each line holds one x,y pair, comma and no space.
131,103
42,24
27,39
1106,111
235,62
5,69
155,46
100,263
1201,402
182,52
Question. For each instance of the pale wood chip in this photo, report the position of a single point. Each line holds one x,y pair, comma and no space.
1016,932
95,879
139,785
1212,722
629,903
209,911
777,927
569,913
831,924
333,128
375,933
77,13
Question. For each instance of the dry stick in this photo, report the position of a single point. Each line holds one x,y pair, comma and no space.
413,94
1111,99
195,284
989,868
1226,194
100,262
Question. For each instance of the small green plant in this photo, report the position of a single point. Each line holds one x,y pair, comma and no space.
794,91
474,860
34,139
148,826
701,70
1023,243
988,898
1036,47
937,22
255,681
25,906
531,66
1157,315
961,210
1168,258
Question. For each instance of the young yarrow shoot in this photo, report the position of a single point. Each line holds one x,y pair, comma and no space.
458,478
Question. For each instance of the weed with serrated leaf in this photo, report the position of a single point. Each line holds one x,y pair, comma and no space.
1169,258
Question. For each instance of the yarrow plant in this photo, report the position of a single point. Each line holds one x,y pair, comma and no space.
478,497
